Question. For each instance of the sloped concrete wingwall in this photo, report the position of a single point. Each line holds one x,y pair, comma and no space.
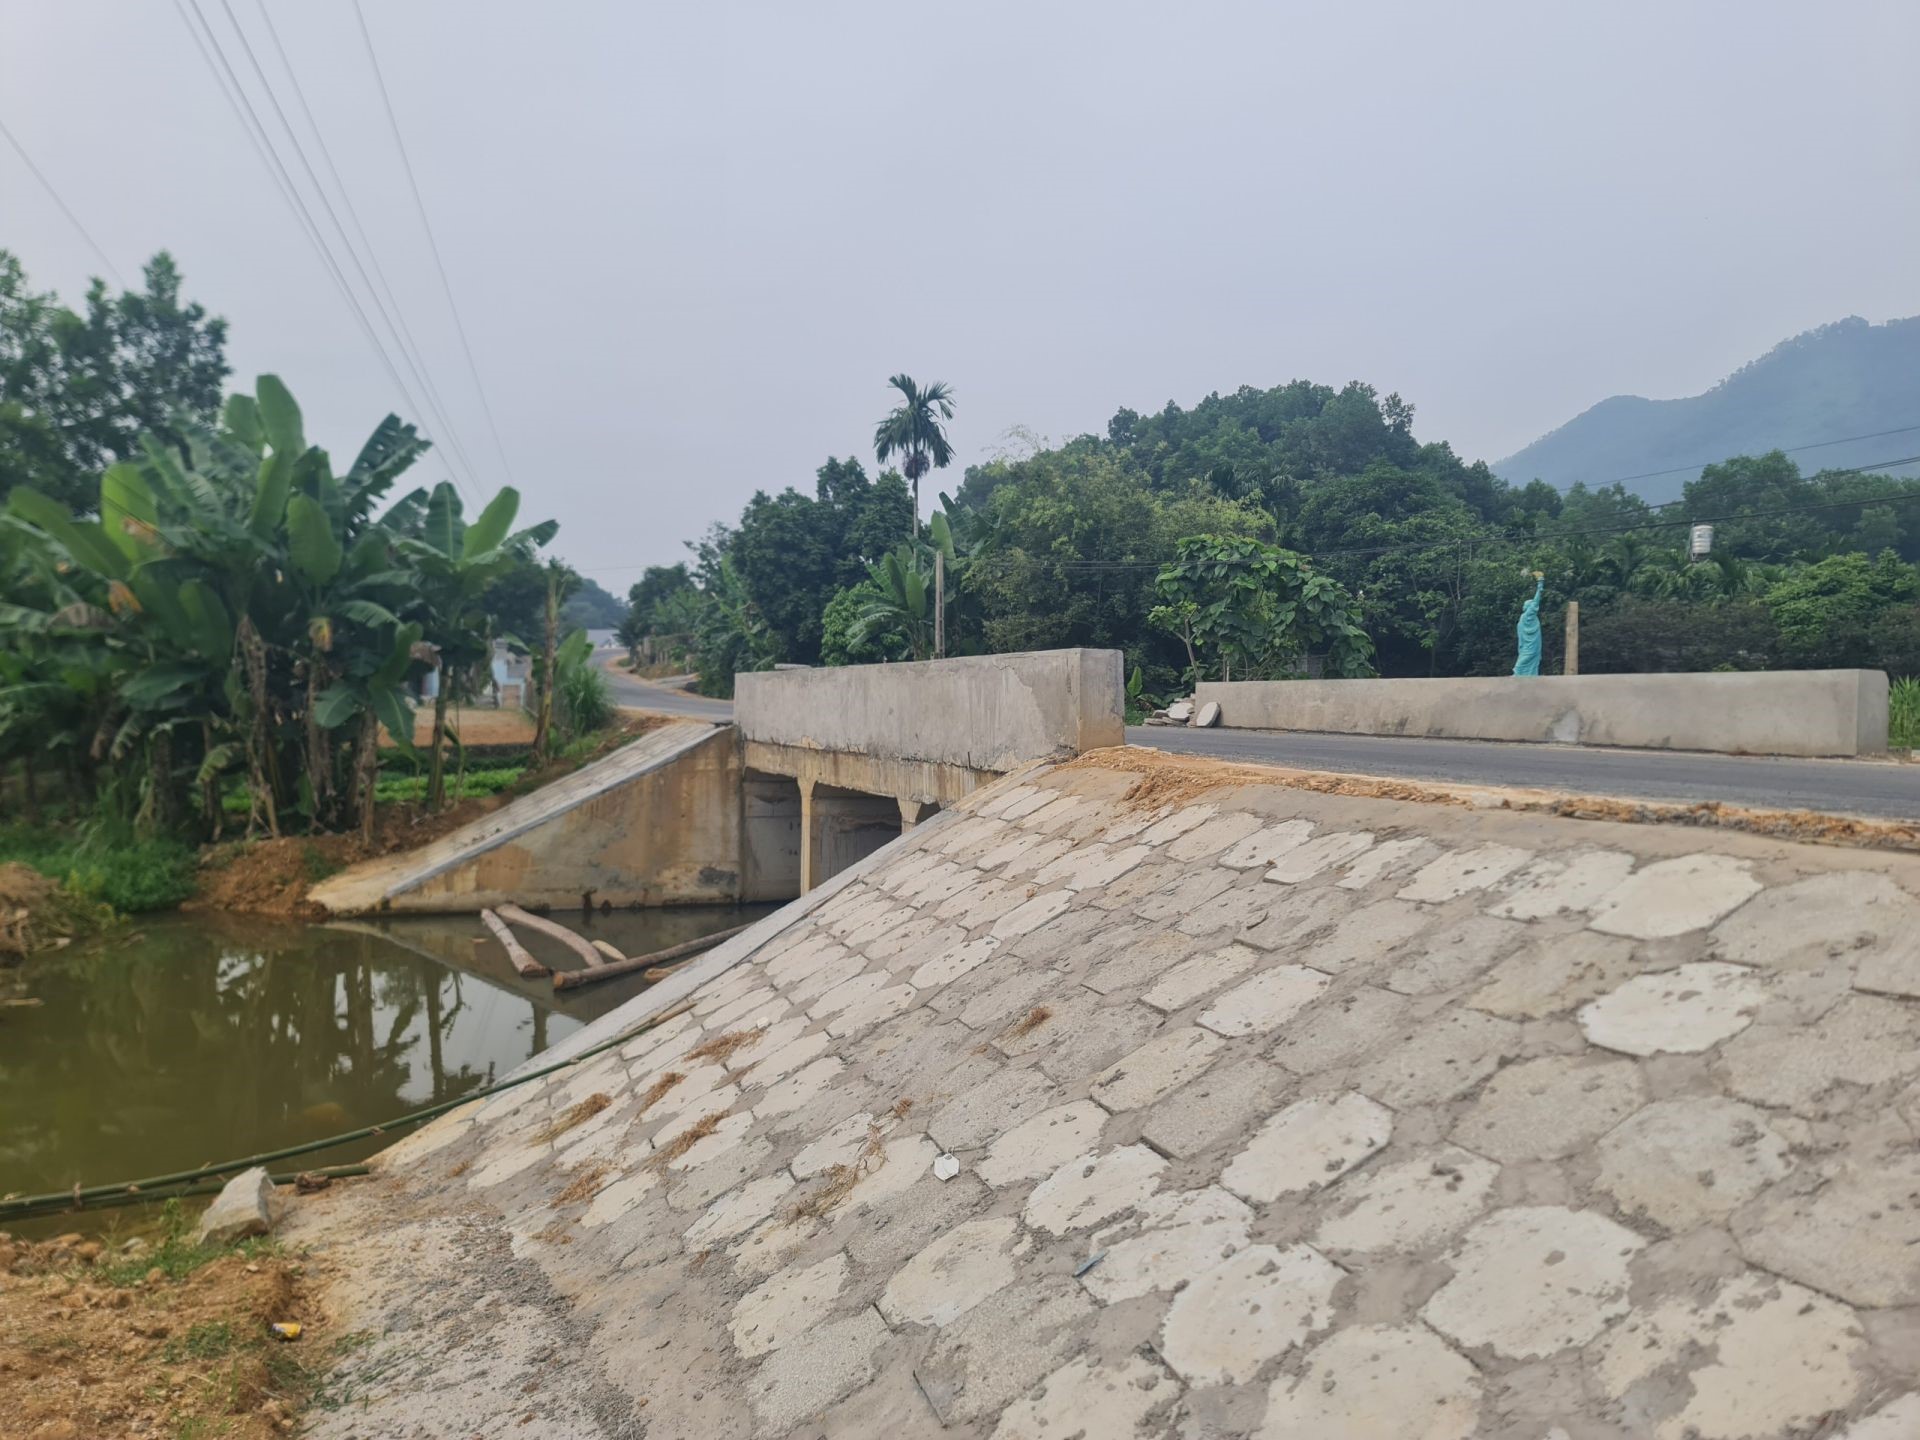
664,821
981,712
1780,712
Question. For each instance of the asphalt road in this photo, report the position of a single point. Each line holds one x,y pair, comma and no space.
1886,789
641,695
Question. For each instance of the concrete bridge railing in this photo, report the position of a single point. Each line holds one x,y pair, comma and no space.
850,756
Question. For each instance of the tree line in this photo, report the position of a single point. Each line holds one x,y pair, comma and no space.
194,599
1301,529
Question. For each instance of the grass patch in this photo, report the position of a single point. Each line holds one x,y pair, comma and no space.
206,1340
1903,713
177,1255
106,865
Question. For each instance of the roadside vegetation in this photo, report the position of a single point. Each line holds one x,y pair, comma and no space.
1143,539
207,625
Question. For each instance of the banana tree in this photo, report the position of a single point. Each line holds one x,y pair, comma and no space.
455,562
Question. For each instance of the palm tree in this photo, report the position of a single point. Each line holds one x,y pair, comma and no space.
912,431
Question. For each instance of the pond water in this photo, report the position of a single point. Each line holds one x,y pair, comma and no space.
194,1039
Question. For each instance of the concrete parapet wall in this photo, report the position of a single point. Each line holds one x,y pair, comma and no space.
1781,712
988,713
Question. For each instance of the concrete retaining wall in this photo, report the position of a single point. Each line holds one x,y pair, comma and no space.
1781,712
985,712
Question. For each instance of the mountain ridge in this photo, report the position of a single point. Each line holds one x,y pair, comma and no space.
1850,378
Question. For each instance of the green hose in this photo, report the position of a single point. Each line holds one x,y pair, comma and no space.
187,1182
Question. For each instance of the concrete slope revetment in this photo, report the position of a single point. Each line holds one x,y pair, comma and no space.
1143,1097
655,822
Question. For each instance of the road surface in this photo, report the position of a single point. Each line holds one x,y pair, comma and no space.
1886,789
633,694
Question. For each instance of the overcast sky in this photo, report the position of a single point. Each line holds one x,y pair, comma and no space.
690,242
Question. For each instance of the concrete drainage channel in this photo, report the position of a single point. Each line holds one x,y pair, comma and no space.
1272,1113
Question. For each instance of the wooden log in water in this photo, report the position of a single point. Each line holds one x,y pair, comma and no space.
610,951
577,943
528,967
657,961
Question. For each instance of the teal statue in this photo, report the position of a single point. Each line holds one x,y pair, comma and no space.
1528,661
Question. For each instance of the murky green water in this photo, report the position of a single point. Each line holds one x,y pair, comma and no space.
195,1039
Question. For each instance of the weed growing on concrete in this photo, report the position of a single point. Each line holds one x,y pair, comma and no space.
659,1087
574,1115
839,1180
721,1047
687,1139
584,1186
1028,1023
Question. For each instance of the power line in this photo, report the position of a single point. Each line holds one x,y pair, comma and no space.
388,307
393,123
1789,450
224,75
65,209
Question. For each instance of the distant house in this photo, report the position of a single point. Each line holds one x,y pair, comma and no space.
512,679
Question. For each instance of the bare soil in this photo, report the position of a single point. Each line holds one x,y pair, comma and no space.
92,1346
37,912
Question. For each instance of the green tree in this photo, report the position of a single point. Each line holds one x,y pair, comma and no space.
78,391
1259,612
913,431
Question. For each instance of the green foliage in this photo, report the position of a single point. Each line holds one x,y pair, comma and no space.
1903,719
582,690
106,864
78,391
240,608
1258,611
913,431
175,1256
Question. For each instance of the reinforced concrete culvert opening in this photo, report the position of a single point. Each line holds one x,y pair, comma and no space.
577,1114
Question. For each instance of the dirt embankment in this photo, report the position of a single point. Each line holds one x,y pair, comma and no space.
97,1342
37,913
271,877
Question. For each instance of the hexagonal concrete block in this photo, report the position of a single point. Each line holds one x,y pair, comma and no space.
1307,1146
1250,1309
1376,1382
1782,1358
1682,1011
1691,1161
787,1306
1672,897
1085,1398
1534,1280
1090,1189
1549,1108
952,1275
1411,1205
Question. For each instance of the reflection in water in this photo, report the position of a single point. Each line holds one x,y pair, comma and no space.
204,1038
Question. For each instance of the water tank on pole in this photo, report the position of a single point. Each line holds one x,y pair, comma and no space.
1700,541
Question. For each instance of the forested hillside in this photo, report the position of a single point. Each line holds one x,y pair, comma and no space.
1298,529
1845,379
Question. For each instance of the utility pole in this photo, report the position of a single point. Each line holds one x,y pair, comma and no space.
1572,666
939,604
